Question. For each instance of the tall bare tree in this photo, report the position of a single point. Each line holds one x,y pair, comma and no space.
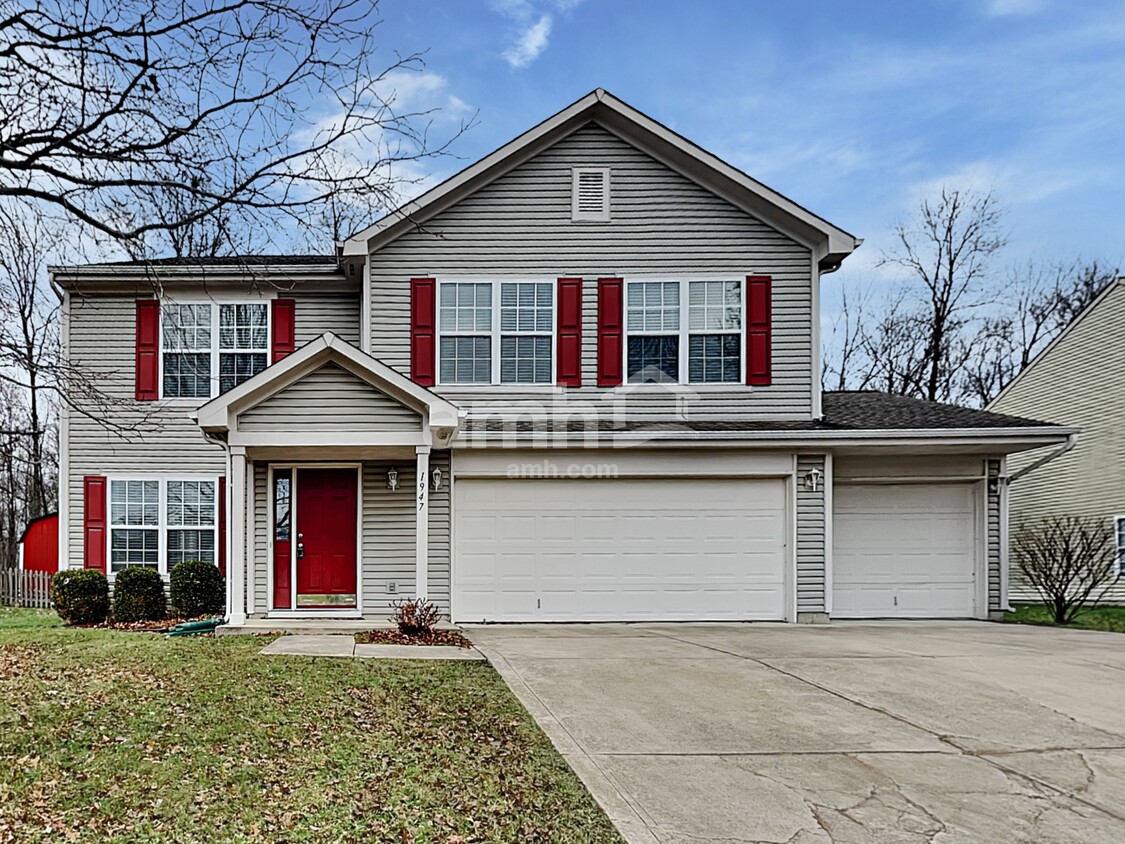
238,112
948,248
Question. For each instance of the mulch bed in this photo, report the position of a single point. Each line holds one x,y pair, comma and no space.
453,638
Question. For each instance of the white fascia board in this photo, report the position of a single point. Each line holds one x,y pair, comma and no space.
1012,438
635,127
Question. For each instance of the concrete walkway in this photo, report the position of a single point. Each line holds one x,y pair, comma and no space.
320,645
889,734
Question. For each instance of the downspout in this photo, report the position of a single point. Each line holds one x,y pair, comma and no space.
222,443
1007,481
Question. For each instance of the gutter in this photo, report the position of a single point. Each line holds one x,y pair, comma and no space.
1071,442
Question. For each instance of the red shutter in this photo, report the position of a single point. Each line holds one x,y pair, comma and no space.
569,328
759,330
423,298
611,315
222,555
93,522
282,317
148,349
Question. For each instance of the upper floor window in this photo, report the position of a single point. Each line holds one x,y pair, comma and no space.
195,357
676,327
496,332
158,523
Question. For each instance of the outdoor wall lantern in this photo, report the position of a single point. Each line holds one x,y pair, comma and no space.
392,478
812,479
437,478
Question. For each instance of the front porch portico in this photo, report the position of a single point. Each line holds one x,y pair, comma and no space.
324,445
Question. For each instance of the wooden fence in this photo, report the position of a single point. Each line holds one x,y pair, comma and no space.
25,588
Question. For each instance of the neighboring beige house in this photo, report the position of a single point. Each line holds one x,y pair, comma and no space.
578,381
1078,381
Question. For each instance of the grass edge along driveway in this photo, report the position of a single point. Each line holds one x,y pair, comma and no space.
115,737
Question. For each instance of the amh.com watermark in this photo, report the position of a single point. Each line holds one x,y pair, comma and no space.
550,469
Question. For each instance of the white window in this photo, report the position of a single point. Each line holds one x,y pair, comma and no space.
134,524
197,359
691,328
526,332
496,332
590,194
158,523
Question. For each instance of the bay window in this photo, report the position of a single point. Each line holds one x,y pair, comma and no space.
676,328
496,332
196,358
157,523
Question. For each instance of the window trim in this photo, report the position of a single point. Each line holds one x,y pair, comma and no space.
214,302
685,332
495,333
163,527
576,215
1120,558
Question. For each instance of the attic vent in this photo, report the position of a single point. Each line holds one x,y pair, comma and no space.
590,191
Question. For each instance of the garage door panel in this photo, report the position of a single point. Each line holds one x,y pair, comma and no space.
598,550
904,550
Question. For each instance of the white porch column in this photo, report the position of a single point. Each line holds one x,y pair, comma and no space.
422,523
236,536
251,526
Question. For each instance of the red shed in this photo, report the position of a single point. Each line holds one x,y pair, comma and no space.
39,545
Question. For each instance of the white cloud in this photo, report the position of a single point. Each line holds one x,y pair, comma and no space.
531,42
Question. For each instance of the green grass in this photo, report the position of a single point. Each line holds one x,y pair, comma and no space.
1098,618
128,737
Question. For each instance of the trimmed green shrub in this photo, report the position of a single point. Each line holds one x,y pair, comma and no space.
80,596
197,588
138,595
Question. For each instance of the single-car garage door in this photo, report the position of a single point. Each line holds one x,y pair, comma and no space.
619,549
904,550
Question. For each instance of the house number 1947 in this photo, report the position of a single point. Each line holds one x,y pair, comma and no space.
421,491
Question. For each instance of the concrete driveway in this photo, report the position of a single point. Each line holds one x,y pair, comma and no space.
884,733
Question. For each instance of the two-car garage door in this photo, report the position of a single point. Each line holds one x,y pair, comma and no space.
648,549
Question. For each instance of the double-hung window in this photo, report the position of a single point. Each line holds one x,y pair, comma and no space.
134,524
157,523
465,322
207,345
684,328
190,510
496,332
187,351
526,332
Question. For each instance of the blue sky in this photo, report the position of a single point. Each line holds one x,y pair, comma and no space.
853,109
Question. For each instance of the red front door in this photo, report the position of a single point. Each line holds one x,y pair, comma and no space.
326,537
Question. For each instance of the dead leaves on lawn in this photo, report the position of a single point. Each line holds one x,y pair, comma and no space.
133,739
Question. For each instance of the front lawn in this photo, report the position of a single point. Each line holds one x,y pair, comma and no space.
1098,618
128,737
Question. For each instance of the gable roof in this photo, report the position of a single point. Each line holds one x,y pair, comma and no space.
829,243
1095,303
327,348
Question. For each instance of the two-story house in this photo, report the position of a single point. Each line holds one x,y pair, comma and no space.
578,381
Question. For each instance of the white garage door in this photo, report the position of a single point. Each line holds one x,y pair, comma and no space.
904,550
619,550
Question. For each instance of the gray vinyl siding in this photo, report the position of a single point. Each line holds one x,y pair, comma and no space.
149,437
388,538
662,224
1080,382
810,537
995,597
329,399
